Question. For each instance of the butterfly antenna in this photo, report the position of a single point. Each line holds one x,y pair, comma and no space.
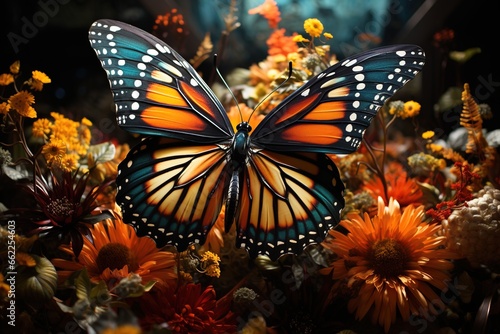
290,69
227,86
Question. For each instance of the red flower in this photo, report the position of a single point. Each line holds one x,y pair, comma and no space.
190,309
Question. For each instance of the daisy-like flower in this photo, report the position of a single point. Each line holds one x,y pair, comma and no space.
6,79
38,79
390,263
41,128
399,186
116,252
313,27
4,108
54,151
21,102
190,309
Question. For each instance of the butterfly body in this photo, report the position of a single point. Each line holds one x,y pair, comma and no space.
276,181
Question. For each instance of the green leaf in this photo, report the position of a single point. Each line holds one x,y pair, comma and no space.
99,294
83,285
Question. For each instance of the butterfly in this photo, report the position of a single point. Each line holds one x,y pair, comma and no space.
276,182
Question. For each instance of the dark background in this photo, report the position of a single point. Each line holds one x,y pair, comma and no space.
58,46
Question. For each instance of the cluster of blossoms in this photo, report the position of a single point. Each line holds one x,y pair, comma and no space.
413,224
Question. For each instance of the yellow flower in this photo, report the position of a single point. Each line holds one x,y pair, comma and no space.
14,68
327,35
6,79
300,39
38,79
41,128
54,150
313,27
210,264
428,134
21,102
86,122
4,108
123,329
411,109
68,162
389,263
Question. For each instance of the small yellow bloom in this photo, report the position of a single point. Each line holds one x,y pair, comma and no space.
123,329
86,122
38,79
327,35
68,162
21,102
41,128
300,39
14,68
436,148
54,150
313,27
6,79
428,134
210,262
411,109
4,108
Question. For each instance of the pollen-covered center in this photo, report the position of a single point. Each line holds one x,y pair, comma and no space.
60,207
115,256
388,257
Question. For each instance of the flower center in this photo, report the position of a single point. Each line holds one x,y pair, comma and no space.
60,207
388,257
114,256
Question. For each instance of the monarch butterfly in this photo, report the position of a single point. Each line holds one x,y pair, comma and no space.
279,187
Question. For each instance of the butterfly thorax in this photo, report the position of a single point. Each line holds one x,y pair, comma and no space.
240,145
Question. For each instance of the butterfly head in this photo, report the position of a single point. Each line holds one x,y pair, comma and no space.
244,127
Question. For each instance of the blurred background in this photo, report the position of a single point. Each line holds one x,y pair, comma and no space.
51,36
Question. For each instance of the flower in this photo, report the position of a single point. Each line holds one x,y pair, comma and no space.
115,252
190,309
209,263
328,35
41,128
399,186
54,151
280,44
38,79
68,206
390,263
6,79
313,27
270,11
473,230
21,102
4,108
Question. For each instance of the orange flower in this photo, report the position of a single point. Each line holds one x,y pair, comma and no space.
279,44
399,186
390,263
116,251
22,102
270,11
313,27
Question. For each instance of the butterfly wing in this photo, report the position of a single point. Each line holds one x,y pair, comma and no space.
172,190
288,202
331,112
155,90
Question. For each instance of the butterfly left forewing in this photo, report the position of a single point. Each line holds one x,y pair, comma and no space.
171,190
155,90
331,112
288,201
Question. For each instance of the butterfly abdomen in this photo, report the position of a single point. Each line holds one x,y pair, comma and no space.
238,156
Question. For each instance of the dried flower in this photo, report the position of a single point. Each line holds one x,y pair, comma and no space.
270,11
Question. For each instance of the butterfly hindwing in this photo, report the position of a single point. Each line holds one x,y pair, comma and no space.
155,90
288,201
330,113
171,190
